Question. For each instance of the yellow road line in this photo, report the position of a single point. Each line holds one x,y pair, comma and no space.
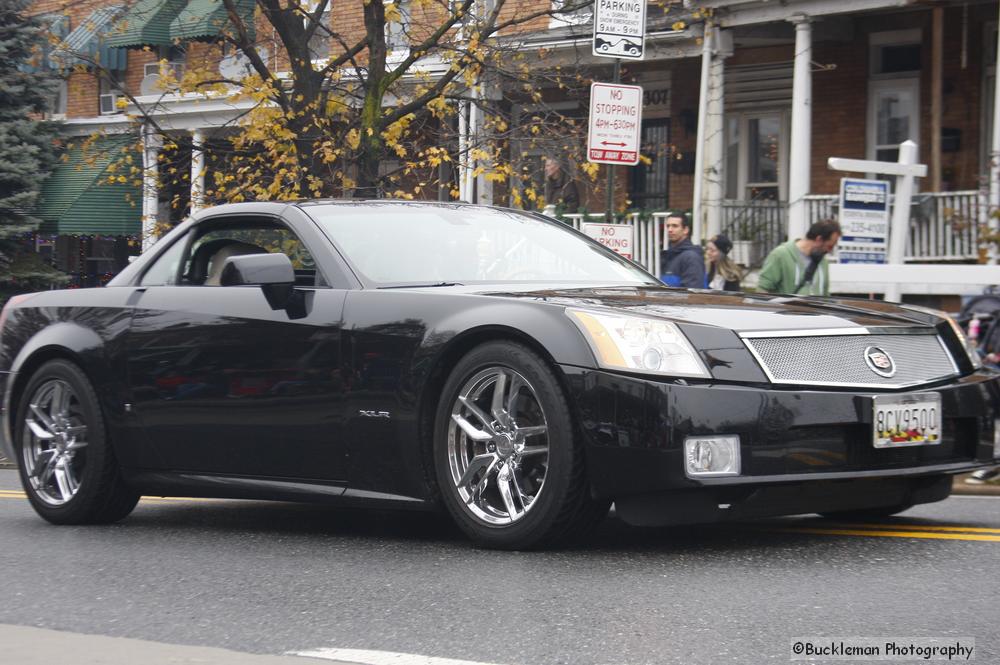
887,534
910,527
17,494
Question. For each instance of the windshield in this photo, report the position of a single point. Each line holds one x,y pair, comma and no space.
392,244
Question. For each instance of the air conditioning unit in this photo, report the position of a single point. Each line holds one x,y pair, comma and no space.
109,102
154,68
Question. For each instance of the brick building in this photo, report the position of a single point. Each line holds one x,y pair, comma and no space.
753,99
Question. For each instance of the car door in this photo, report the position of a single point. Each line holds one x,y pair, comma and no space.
221,382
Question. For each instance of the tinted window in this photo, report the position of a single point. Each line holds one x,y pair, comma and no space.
415,244
204,263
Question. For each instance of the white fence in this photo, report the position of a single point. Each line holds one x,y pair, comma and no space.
944,227
650,235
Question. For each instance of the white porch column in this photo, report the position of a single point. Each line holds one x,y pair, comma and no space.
801,140
697,196
463,146
197,170
715,144
994,203
151,144
472,135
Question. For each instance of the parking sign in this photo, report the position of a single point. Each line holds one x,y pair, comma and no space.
619,28
615,119
618,237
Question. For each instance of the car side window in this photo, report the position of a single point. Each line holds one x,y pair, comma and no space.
203,264
165,269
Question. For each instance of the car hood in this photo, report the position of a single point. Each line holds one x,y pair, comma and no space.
742,312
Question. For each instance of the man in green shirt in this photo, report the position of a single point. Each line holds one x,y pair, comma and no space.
800,267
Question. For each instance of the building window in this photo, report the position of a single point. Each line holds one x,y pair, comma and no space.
397,28
108,96
579,16
893,117
319,43
893,92
896,53
757,166
56,107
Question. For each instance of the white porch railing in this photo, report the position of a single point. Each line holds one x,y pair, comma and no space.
944,227
650,236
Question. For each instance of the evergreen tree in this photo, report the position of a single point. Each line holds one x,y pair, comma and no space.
27,144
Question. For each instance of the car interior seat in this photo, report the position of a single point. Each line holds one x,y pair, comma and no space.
216,259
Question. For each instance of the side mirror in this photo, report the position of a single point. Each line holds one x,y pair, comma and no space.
273,273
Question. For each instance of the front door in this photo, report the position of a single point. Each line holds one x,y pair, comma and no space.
224,384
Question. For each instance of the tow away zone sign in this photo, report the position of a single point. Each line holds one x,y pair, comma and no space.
615,119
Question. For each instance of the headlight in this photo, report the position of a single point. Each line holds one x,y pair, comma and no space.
638,344
970,348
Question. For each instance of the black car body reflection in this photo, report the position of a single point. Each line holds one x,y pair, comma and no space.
490,361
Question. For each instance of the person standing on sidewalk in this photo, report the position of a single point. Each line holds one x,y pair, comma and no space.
800,266
683,263
723,273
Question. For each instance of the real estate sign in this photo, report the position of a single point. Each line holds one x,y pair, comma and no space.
864,220
619,28
615,119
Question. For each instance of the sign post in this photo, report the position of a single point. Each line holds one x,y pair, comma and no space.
619,32
864,220
905,170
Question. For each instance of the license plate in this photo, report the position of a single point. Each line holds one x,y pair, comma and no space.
906,420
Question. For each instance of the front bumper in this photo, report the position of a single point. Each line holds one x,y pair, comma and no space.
635,428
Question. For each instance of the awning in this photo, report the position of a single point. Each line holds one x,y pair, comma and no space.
206,19
56,28
86,44
78,199
146,23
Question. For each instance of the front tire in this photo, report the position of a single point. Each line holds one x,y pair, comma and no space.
510,470
68,468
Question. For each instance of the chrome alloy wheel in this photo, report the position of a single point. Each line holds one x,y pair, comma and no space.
53,442
498,446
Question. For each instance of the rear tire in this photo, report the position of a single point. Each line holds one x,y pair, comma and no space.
510,470
67,466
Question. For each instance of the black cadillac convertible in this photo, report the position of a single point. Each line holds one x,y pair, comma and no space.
492,361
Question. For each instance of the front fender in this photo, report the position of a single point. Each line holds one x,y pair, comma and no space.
78,342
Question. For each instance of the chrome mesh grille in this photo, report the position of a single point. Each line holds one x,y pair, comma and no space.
840,359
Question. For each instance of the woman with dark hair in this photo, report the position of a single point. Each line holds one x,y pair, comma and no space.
723,273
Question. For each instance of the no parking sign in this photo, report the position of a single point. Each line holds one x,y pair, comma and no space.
619,237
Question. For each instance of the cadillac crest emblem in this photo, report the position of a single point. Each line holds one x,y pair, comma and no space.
880,362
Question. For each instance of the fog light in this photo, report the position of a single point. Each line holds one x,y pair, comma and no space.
706,456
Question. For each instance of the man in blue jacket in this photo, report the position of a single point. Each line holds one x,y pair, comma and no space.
683,264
